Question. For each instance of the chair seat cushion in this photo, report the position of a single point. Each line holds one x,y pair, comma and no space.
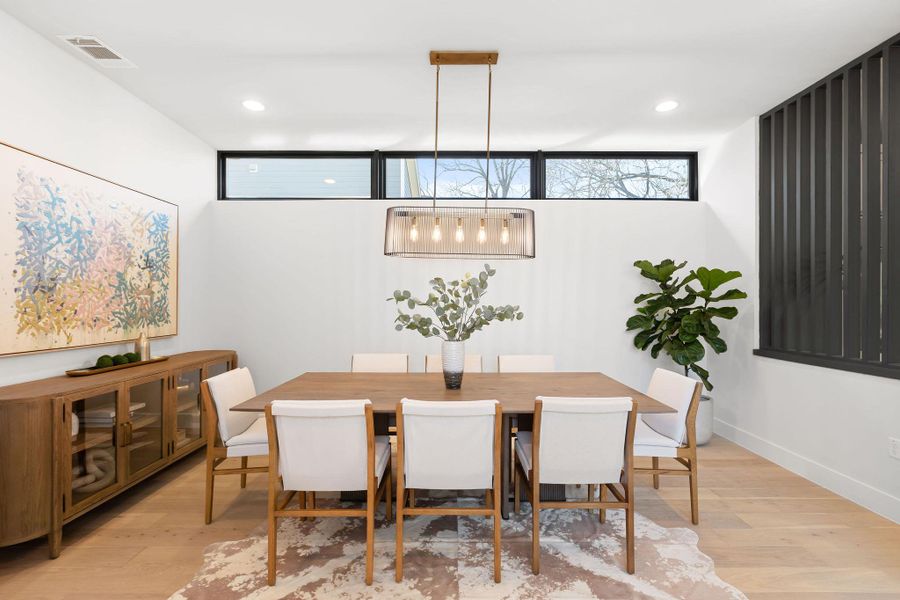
649,442
255,434
523,450
382,454
247,450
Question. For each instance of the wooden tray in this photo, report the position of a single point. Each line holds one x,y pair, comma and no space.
95,370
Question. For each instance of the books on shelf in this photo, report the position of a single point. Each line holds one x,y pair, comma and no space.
107,416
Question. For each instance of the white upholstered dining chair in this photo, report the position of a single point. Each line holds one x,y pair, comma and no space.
231,434
448,445
526,363
325,445
433,363
579,441
671,435
379,363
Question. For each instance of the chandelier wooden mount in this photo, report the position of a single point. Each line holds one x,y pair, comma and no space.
443,57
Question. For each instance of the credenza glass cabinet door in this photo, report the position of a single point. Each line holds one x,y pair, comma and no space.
187,409
92,421
143,424
218,367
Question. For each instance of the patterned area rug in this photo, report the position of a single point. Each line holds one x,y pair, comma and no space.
451,557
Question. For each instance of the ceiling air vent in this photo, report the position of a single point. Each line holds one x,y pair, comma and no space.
99,52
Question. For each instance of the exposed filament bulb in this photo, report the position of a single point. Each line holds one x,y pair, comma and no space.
482,232
436,232
460,232
504,233
414,230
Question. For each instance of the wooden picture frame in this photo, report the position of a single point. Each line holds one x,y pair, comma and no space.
84,261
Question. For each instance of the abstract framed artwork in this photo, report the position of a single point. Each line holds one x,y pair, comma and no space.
83,261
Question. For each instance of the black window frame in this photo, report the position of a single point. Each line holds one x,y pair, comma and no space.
223,156
691,157
378,165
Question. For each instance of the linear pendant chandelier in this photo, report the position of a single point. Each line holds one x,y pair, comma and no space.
460,231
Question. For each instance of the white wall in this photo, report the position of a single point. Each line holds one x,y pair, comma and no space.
827,425
55,105
304,284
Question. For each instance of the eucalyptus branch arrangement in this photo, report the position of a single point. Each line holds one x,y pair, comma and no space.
456,308
677,317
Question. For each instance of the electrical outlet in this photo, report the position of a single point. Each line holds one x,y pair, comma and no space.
894,447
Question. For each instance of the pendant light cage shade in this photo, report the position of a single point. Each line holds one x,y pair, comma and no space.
459,232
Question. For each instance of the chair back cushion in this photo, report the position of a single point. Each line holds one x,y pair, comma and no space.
227,390
379,363
582,440
526,363
434,364
322,444
677,391
448,445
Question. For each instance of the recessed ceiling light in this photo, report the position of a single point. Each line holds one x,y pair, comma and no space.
666,106
329,180
254,105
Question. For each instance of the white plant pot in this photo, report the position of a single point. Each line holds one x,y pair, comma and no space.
453,360
704,420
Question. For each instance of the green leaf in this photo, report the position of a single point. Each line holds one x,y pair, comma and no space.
641,339
733,294
639,322
710,279
726,312
643,297
703,374
691,323
716,343
661,272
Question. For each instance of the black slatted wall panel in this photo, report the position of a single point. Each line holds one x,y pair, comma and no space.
829,193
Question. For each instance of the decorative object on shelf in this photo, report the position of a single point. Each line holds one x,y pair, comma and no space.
114,367
458,313
97,473
142,346
477,232
83,254
678,319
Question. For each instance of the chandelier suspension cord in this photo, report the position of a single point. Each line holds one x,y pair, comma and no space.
487,173
437,95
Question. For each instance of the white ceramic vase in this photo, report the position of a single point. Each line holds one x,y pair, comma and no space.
453,359
704,420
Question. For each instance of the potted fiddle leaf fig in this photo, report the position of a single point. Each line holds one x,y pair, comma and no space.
679,319
456,313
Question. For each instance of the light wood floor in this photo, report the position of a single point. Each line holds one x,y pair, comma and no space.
772,534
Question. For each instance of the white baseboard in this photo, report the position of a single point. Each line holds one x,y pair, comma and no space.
863,494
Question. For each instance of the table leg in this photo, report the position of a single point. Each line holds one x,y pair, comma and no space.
506,437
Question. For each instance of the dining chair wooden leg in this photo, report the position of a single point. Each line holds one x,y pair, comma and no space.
602,498
629,539
387,492
243,475
535,528
273,545
301,502
398,565
487,499
695,500
412,498
655,475
210,482
370,533
497,529
517,504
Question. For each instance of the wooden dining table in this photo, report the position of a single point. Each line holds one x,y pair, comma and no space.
516,393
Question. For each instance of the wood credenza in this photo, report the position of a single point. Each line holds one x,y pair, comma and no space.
68,444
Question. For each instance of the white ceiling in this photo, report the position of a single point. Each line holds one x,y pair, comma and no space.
580,74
